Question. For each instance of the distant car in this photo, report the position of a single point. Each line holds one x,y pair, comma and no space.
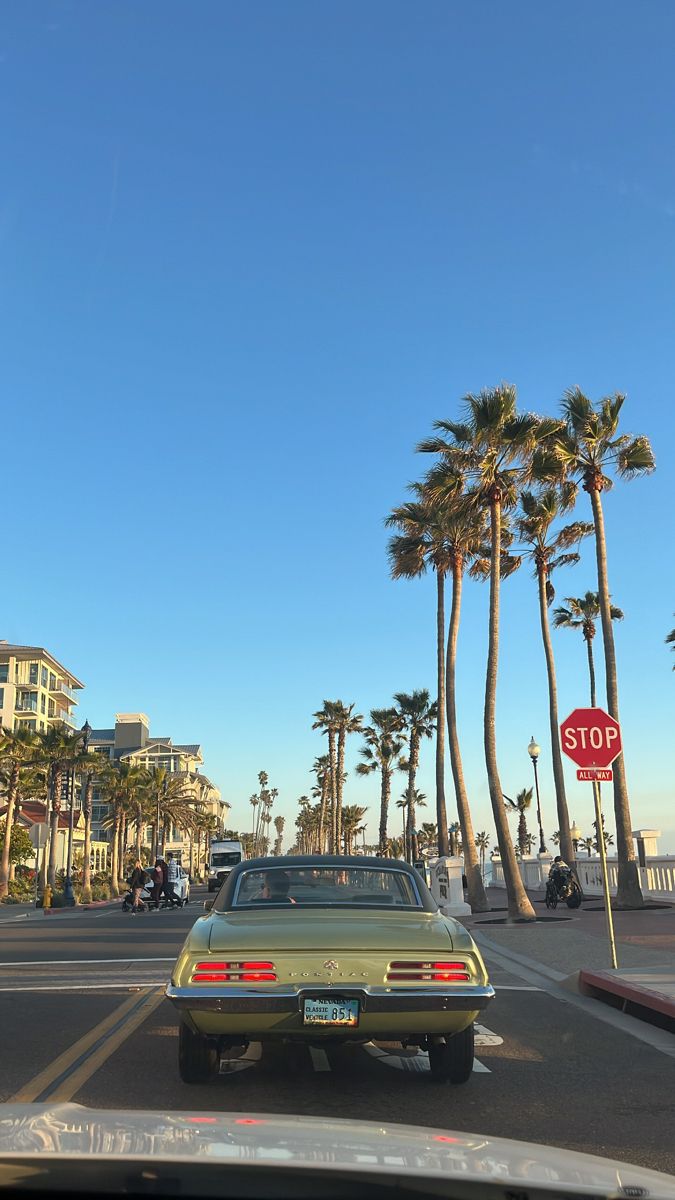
313,947
181,889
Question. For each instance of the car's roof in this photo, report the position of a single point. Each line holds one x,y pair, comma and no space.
287,861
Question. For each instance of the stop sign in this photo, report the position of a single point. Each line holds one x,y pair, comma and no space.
590,737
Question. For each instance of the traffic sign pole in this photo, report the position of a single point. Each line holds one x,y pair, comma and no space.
600,827
592,739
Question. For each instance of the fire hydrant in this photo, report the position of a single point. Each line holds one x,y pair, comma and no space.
47,898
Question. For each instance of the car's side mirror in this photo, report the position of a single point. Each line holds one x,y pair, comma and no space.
208,905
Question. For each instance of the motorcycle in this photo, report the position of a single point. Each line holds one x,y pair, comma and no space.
563,886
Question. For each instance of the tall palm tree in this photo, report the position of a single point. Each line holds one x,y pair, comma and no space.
58,748
418,717
121,783
548,551
165,798
492,449
347,722
321,769
17,751
482,841
520,805
588,450
419,801
582,612
588,845
326,720
383,744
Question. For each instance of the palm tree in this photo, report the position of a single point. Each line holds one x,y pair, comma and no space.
670,640
549,551
326,720
321,769
555,837
492,449
582,612
482,841
588,845
352,818
419,801
520,805
58,748
279,823
122,783
347,721
418,719
383,744
529,842
588,450
17,751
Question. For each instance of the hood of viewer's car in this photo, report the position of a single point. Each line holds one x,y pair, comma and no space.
65,1147
262,930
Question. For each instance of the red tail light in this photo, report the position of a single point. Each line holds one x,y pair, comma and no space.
428,972
234,972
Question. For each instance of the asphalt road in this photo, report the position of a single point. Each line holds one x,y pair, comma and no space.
83,1019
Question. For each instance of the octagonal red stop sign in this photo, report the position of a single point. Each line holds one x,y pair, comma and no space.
590,737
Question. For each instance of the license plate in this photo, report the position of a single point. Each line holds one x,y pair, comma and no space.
332,1011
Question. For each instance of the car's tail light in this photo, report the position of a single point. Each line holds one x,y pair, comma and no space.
428,972
234,972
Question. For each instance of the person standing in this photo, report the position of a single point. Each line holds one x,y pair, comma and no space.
171,879
137,883
157,881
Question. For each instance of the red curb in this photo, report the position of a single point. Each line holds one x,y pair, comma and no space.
635,993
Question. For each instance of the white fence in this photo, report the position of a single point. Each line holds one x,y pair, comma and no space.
657,878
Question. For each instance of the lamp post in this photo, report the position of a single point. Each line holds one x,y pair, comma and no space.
68,893
534,751
576,835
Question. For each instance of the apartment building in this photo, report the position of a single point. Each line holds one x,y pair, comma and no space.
36,690
130,741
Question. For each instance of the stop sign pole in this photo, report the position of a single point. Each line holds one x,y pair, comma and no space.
591,737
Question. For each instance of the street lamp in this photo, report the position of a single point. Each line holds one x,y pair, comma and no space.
68,893
576,835
534,751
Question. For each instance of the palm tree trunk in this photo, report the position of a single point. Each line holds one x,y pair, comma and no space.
441,811
385,795
9,825
519,907
322,813
342,736
114,857
332,843
591,671
566,843
54,824
139,830
86,859
411,836
628,892
474,876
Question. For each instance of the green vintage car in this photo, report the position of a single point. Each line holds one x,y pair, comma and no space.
321,949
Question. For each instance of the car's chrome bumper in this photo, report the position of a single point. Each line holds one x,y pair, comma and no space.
372,1000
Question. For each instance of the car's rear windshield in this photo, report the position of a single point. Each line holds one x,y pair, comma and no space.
224,859
352,887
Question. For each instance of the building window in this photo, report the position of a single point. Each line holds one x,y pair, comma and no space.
33,673
2,697
52,681
44,676
43,704
4,672
52,708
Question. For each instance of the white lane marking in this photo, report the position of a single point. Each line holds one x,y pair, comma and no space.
80,962
485,1037
515,987
413,1063
319,1059
85,987
252,1055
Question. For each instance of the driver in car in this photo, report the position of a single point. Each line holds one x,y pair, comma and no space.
275,888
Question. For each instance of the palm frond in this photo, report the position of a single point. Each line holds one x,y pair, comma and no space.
635,458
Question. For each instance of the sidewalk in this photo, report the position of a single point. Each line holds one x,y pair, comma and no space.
28,912
571,947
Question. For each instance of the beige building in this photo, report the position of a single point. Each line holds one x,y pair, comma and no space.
130,741
36,691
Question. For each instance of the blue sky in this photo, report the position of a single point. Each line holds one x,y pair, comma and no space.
248,253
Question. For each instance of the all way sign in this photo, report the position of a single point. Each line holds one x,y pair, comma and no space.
590,774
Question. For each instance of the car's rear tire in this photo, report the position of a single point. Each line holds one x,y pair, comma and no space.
451,1058
197,1056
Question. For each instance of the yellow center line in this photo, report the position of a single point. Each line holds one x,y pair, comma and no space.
85,1056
